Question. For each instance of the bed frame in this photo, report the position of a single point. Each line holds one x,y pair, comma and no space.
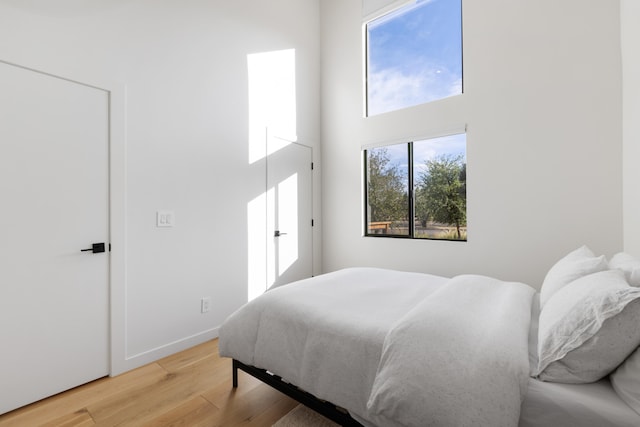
324,408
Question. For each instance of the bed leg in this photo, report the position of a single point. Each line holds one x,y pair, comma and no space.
234,372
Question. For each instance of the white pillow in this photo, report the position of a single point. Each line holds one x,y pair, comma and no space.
574,265
629,264
588,328
626,381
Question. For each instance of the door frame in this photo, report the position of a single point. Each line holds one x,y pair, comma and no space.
116,95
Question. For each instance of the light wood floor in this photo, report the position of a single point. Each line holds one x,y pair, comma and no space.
190,389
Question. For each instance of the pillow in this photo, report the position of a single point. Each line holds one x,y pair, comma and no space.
626,381
574,265
588,328
629,265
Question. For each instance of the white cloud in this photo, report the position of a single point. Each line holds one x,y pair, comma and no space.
448,145
392,89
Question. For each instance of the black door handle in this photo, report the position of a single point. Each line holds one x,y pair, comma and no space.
278,233
95,248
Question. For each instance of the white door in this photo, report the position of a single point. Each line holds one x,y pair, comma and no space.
54,199
289,214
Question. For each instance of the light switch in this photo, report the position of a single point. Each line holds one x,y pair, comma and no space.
165,219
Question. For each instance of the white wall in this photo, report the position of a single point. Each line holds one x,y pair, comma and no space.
630,32
184,65
542,105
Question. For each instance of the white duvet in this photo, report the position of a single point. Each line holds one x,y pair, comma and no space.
394,348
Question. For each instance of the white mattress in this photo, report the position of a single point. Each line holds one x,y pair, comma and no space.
570,405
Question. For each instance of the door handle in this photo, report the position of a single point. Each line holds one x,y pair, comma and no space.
95,248
278,233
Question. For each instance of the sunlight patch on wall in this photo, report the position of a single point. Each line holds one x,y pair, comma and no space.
272,101
282,217
287,211
272,127
257,246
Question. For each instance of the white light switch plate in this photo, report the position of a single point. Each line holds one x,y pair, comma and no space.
205,305
165,219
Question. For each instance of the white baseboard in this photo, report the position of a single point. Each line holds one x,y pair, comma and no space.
149,356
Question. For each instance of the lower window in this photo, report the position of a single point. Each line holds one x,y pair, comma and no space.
417,189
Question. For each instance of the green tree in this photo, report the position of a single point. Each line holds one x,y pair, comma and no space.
386,188
441,192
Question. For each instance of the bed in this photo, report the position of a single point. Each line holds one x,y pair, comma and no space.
377,347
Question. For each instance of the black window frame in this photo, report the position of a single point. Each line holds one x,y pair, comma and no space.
410,195
410,205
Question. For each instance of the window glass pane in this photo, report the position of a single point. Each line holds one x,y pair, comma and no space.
440,188
414,55
387,190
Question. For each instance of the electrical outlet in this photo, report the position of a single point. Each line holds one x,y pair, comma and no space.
205,304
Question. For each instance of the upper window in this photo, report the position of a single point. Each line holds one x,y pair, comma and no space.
414,55
417,189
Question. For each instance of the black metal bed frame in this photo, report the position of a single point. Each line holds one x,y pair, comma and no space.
324,408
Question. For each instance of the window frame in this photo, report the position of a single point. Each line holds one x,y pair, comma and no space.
410,186
410,204
393,7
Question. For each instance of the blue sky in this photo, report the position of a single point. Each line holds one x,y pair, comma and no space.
427,149
452,145
414,55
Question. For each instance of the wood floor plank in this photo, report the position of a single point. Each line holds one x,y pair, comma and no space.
272,413
190,356
242,408
135,409
197,412
190,389
77,399
221,394
77,419
169,392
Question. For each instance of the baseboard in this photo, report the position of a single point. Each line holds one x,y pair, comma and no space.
149,356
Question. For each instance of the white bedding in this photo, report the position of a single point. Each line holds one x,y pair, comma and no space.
459,323
350,337
570,405
459,358
279,331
